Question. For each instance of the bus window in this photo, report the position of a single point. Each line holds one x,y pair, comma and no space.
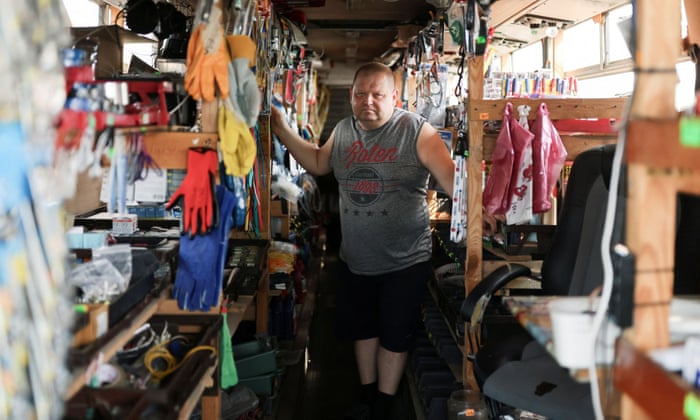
581,46
82,13
617,46
620,84
527,59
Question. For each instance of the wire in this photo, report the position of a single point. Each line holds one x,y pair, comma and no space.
605,249
161,352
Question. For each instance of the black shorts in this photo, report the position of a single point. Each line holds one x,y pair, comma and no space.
385,306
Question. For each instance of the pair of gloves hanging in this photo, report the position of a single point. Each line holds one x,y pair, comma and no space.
209,58
224,64
207,217
240,109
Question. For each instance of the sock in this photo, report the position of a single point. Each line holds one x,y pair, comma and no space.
368,393
382,406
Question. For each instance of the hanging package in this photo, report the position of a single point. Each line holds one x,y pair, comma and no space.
498,181
520,190
548,156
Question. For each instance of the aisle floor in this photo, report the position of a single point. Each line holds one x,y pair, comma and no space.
330,383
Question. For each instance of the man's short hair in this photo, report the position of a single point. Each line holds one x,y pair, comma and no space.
374,67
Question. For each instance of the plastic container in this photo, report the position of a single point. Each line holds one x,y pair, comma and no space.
572,320
466,404
254,358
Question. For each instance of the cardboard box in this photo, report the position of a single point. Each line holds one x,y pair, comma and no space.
97,325
125,224
110,47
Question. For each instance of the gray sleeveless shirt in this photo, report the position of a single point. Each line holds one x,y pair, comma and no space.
382,185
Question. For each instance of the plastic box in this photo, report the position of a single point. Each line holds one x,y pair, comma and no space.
260,384
254,358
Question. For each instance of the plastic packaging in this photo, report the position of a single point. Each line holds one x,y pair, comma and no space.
548,156
120,257
498,181
98,280
520,191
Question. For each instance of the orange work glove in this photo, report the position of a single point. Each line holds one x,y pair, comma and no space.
195,52
206,71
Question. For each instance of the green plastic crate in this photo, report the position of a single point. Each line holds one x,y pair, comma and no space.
254,358
260,384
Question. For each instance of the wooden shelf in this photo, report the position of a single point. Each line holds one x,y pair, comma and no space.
238,311
634,373
117,342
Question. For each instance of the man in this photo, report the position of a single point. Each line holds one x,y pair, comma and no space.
382,157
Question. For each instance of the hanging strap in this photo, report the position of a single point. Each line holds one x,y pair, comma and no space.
458,220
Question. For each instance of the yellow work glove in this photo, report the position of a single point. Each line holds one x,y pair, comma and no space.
237,143
206,70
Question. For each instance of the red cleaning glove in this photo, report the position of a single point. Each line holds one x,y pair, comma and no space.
199,206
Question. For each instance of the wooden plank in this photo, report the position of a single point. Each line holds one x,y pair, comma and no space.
262,302
211,405
665,151
564,108
170,307
474,260
658,49
474,180
169,148
650,230
634,374
650,330
651,198
237,311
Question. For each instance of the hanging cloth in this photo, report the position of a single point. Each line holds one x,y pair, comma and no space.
548,158
229,373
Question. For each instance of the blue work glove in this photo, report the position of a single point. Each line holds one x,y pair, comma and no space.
239,209
200,270
236,185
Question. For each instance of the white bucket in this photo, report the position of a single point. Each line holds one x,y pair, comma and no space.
572,320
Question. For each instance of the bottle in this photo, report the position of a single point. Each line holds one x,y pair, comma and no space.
466,404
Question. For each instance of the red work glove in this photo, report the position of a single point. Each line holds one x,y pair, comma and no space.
199,208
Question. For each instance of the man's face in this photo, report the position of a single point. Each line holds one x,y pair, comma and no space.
372,98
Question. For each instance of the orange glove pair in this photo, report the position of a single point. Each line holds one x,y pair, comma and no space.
206,71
